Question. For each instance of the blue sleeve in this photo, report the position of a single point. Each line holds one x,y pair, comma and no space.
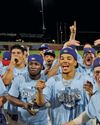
3,90
79,58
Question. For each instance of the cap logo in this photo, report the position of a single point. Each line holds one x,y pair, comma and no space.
6,59
65,51
90,51
43,45
50,51
32,58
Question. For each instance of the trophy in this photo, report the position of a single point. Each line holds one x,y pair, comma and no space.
33,108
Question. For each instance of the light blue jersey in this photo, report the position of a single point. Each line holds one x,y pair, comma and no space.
3,90
1,64
11,108
16,71
93,108
79,57
1,67
67,97
83,69
24,87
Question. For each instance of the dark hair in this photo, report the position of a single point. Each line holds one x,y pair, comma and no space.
51,54
25,49
77,65
17,46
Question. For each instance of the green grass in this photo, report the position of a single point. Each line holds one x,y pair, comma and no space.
57,52
81,53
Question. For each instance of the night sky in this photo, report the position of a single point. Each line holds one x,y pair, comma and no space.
24,16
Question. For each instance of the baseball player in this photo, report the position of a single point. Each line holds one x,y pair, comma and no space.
65,91
24,87
93,108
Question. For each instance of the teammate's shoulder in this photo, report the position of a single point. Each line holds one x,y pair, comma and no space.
57,77
79,75
19,77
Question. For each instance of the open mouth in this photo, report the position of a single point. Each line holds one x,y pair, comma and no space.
65,67
49,61
88,59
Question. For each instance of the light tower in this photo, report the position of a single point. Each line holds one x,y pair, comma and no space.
42,12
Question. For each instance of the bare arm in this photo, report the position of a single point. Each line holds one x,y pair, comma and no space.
73,31
8,75
39,98
82,118
16,101
72,35
19,103
53,70
2,100
97,42
39,95
72,40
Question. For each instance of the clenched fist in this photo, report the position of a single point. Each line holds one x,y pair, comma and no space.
40,85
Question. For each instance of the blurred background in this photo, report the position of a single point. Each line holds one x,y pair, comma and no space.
48,20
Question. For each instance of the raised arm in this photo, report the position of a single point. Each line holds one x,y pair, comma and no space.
39,94
73,31
8,75
72,40
54,69
97,42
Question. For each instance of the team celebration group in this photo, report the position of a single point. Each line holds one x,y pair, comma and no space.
42,89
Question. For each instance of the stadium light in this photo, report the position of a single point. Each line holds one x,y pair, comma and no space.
42,12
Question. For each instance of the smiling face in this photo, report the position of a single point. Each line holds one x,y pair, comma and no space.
97,74
88,59
68,63
34,68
